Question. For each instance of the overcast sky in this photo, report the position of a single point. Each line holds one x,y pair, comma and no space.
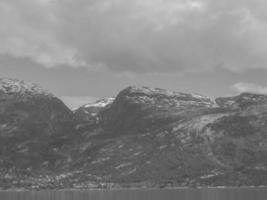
87,49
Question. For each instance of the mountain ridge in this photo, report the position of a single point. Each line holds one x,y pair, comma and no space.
145,137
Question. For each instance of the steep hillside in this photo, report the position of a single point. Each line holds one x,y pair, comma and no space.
34,126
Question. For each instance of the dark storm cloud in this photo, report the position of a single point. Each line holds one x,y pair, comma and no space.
141,36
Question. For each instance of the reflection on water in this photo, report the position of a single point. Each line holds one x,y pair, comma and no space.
153,194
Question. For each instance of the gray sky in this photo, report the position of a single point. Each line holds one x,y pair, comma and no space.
87,49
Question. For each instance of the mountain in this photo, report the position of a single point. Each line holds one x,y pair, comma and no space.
34,127
88,112
145,137
153,136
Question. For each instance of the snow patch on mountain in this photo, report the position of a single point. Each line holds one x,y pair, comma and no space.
100,103
10,86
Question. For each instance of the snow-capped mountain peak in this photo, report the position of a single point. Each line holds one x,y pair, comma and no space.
100,103
10,85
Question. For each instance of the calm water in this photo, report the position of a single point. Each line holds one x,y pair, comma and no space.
163,194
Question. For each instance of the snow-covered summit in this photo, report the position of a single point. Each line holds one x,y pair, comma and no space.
150,91
10,86
100,103
161,97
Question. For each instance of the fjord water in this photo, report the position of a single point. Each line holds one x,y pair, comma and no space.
132,194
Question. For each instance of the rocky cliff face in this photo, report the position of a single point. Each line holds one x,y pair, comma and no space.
144,137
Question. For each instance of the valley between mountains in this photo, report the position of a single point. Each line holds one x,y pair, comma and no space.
144,137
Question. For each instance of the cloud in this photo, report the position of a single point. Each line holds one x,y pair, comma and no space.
29,29
74,102
140,36
249,87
